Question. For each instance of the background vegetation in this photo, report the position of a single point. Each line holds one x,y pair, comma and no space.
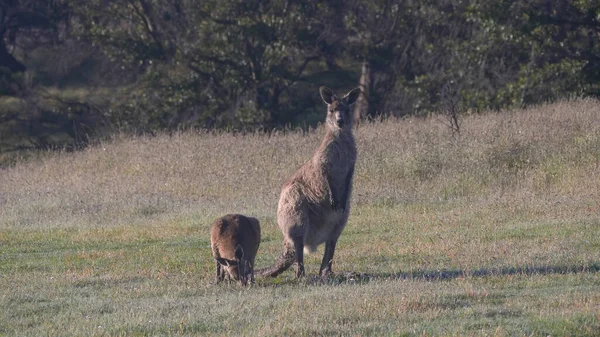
495,231
75,70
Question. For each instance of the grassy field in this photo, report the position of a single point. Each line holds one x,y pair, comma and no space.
494,232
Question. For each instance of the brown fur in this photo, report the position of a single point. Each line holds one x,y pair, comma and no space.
234,240
315,201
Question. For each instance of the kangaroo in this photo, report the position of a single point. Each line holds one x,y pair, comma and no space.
315,201
234,240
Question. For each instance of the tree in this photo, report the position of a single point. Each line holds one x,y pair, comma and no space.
215,63
375,41
565,54
24,19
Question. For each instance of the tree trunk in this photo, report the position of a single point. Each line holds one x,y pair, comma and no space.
361,108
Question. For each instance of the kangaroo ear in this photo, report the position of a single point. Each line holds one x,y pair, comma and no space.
327,95
239,252
352,96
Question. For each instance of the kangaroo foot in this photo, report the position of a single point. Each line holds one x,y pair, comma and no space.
326,273
300,270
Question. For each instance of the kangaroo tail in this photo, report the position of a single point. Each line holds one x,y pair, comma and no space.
283,263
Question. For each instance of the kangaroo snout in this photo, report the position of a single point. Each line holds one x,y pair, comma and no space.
339,119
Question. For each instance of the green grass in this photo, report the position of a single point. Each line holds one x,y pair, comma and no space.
495,232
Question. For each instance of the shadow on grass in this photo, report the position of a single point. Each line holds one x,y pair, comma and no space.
435,275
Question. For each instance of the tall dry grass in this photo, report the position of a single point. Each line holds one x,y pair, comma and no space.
545,154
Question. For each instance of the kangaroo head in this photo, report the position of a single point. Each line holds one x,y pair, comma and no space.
338,109
239,268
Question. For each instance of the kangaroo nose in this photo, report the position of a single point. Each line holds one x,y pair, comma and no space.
340,122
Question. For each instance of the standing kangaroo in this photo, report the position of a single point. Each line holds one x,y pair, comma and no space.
234,240
315,201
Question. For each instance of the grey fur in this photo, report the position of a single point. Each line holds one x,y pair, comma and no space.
315,201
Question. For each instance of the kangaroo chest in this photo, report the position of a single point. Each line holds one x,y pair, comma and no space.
338,161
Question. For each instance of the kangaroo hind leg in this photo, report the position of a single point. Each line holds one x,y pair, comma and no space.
299,248
327,262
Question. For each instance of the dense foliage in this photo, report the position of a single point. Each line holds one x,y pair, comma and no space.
72,68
